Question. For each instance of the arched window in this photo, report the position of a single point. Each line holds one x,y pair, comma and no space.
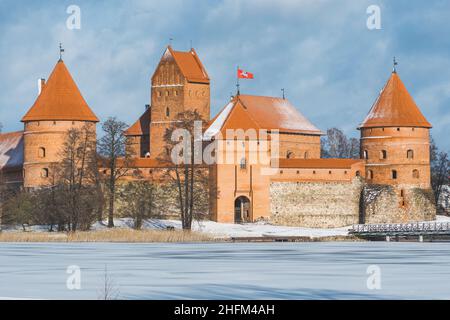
410,154
41,152
366,154
44,173
167,112
358,173
416,174
370,174
394,174
383,154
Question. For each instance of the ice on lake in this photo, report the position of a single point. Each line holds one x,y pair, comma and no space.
228,270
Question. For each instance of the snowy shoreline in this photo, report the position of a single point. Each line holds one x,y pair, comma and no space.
219,231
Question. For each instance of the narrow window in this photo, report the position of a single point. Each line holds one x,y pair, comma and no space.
306,155
167,112
366,154
370,174
394,174
358,173
41,152
44,173
416,174
383,154
289,154
410,154
243,164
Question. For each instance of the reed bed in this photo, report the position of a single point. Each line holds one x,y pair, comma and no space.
110,235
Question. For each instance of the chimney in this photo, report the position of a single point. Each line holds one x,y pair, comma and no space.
41,85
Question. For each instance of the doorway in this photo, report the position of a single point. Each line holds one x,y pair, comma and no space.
242,210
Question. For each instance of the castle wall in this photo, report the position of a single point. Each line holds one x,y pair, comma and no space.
383,204
315,204
299,146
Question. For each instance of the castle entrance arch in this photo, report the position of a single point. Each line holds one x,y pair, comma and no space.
242,210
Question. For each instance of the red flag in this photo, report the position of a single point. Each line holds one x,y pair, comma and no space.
244,74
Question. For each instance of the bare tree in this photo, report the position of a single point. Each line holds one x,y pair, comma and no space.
440,169
75,177
116,156
337,145
109,290
190,178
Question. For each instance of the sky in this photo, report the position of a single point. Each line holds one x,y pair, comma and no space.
331,65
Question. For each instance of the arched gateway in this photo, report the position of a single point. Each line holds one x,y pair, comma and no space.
242,212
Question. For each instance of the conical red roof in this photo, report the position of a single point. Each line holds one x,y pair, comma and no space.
395,108
60,99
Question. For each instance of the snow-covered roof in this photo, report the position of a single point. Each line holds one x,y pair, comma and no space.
11,150
258,112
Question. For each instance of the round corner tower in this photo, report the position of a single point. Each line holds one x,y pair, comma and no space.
395,140
58,108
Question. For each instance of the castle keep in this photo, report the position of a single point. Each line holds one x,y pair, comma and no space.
294,186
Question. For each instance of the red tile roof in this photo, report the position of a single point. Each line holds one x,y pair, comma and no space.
142,126
190,65
60,99
395,108
319,163
257,112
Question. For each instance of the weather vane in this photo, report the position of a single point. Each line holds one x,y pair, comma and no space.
61,50
395,66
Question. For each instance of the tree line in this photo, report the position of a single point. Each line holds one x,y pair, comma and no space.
79,193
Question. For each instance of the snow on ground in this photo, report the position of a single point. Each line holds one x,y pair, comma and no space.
221,230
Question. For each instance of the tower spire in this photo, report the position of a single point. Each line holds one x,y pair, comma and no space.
394,69
61,50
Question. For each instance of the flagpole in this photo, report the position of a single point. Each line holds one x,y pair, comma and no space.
237,81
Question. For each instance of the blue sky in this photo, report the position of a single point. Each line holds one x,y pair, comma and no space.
331,65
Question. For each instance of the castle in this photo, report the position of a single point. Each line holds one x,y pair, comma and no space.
389,184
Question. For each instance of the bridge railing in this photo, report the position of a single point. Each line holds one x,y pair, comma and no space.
414,227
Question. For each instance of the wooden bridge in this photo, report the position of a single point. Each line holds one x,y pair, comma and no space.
416,230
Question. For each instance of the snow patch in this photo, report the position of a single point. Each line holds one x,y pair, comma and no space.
216,126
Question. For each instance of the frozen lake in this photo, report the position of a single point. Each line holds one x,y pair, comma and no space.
228,271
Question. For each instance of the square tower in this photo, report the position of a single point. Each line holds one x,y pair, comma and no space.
180,83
